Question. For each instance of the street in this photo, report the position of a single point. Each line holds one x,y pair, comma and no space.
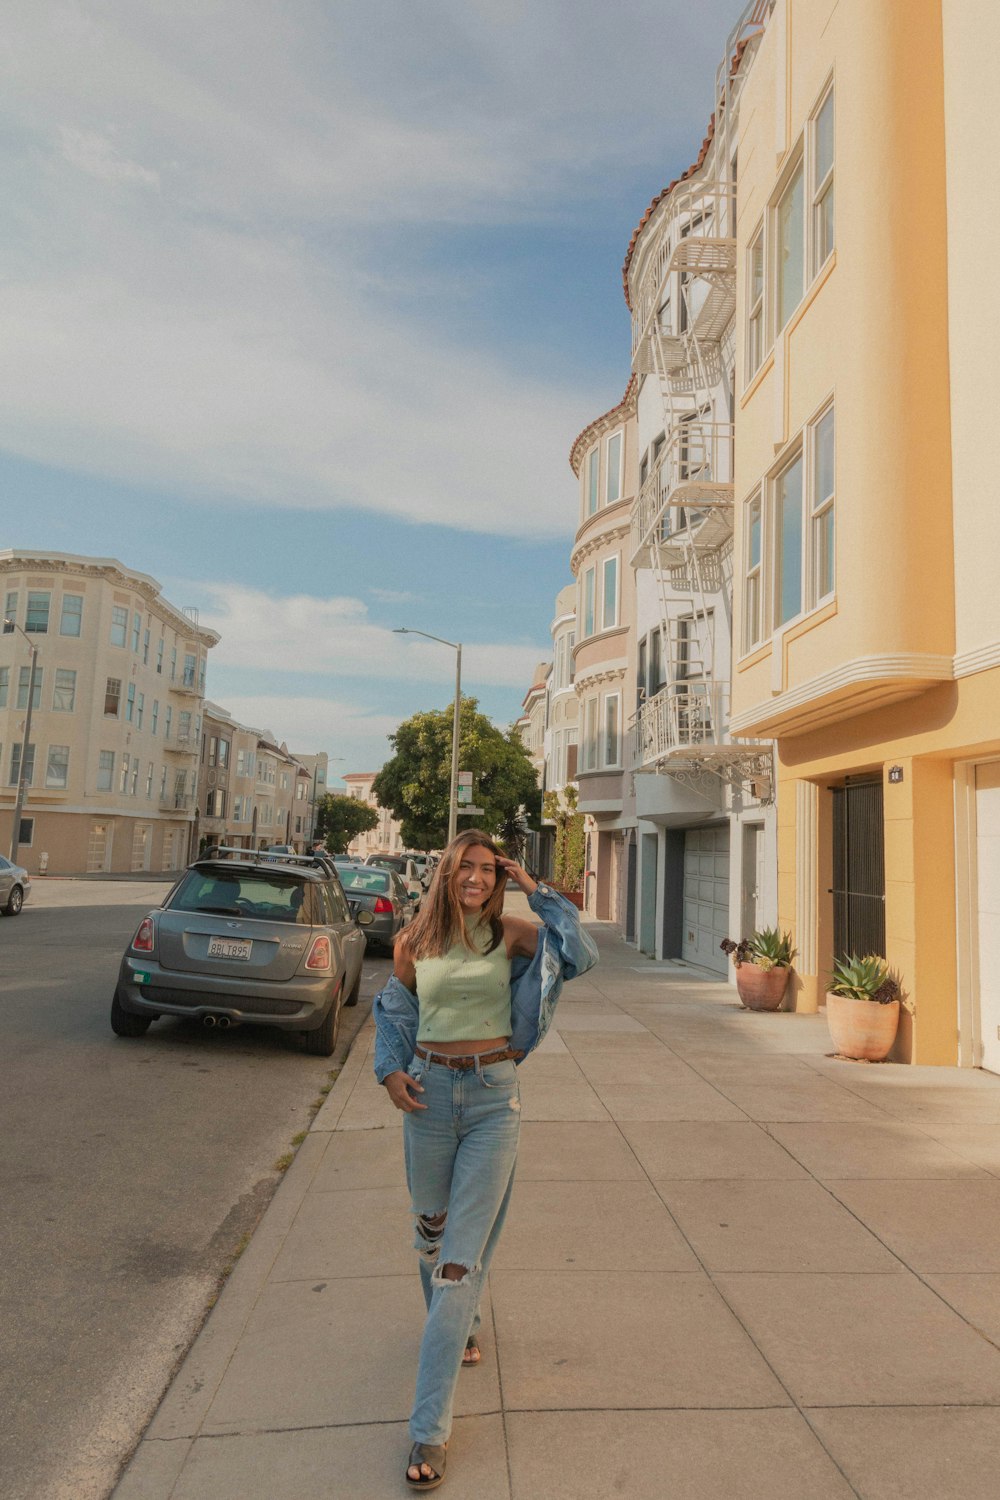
131,1173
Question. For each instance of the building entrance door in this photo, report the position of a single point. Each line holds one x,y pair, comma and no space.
752,878
988,910
858,868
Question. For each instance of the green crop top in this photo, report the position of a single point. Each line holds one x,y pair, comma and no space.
464,996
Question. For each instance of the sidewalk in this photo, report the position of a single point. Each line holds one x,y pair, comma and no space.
733,1268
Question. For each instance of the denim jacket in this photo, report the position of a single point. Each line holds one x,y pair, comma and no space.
564,950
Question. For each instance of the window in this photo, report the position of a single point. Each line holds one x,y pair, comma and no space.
135,775
822,526
163,782
4,685
213,750
215,806
64,693
822,180
119,624
190,670
105,770
237,809
224,757
593,470
57,767
15,764
71,619
145,646
755,305
184,726
149,779
156,716
159,656
789,234
112,697
140,704
23,678
657,679
788,542
10,606
26,833
609,604
136,629
167,721
588,602
130,703
173,665
613,478
590,735
612,730
241,760
123,778
36,621
752,622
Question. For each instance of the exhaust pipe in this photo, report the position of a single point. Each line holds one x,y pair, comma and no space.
223,1023
208,1020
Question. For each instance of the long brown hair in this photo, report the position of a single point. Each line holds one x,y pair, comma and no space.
441,921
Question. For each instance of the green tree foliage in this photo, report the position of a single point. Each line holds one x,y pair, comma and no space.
570,853
340,819
415,784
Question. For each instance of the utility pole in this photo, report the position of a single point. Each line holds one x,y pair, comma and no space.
9,626
456,721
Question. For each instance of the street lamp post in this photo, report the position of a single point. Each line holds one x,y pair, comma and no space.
9,626
456,646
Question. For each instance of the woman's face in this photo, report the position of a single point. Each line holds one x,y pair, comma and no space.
475,877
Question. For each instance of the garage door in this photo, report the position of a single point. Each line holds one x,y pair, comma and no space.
706,896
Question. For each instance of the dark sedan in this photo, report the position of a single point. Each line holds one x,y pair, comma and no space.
382,893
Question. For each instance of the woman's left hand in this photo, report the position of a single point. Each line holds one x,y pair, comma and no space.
517,874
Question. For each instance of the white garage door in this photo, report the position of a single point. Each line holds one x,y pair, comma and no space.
706,897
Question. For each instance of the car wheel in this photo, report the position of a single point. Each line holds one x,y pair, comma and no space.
124,1023
355,994
321,1041
14,901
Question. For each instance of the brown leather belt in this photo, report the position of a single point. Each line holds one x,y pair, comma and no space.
464,1064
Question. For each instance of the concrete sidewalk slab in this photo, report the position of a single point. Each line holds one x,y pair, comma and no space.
733,1265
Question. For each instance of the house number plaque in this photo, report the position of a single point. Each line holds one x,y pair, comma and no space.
895,773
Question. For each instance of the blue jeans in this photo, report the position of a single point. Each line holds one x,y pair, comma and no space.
460,1157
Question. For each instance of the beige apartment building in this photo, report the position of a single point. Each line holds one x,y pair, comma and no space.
386,837
605,460
254,792
531,728
116,723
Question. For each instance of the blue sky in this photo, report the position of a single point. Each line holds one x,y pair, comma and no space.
304,305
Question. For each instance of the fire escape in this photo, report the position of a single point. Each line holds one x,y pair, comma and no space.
683,310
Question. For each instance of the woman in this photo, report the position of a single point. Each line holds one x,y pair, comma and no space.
473,991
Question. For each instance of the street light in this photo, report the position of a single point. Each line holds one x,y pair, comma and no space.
9,626
456,646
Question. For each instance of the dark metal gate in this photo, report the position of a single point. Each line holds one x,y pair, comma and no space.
858,868
630,858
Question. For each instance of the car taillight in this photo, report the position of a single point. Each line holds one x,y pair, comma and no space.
382,903
320,955
143,940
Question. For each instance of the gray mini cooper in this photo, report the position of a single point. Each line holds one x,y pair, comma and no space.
244,937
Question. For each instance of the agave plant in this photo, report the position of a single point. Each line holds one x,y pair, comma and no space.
866,978
768,949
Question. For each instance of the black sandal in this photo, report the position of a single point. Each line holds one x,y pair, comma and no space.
435,1457
472,1343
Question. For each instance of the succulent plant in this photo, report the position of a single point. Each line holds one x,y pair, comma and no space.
768,949
865,978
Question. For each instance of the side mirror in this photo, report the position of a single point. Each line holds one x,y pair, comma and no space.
414,895
365,918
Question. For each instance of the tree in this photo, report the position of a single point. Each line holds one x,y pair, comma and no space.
340,819
416,783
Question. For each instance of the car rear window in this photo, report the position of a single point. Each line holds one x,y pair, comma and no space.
365,880
399,865
270,898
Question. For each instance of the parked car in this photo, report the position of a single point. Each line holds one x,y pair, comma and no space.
405,868
424,866
15,887
383,893
247,937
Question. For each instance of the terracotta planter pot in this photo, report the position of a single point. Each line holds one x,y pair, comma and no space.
761,989
861,1028
575,896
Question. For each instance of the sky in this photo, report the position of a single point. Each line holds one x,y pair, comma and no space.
303,306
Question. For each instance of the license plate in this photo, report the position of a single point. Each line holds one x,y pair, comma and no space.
219,947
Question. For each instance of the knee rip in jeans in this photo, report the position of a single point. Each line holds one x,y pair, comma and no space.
430,1229
440,1276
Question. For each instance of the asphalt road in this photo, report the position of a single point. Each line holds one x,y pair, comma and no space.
131,1172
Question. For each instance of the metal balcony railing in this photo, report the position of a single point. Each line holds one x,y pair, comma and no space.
695,234
183,743
176,801
679,718
691,481
187,682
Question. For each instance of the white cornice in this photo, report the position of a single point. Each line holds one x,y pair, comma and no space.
903,673
979,660
605,671
595,543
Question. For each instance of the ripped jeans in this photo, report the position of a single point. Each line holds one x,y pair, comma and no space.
460,1157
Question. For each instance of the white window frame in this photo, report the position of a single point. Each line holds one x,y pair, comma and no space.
105,771
591,730
753,572
592,498
588,605
794,455
617,470
818,507
821,189
614,562
756,326
796,167
611,762
61,688
71,615
60,761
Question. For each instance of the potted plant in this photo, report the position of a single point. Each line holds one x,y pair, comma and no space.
862,1007
570,852
763,964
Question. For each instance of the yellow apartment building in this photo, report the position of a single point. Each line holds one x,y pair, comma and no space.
112,759
867,619
385,837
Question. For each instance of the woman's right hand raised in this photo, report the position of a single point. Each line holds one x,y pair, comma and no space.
399,1086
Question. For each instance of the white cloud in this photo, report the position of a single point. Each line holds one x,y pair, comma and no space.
334,637
238,334
355,737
